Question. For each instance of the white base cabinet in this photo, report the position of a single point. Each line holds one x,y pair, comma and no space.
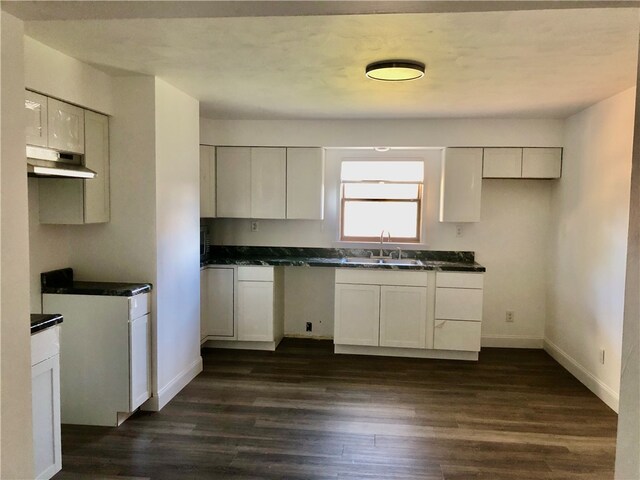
45,394
402,313
105,356
378,308
458,311
244,307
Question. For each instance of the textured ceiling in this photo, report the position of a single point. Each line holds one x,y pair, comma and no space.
538,63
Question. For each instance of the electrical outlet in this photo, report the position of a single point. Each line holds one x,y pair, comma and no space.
255,226
309,326
510,318
458,231
602,356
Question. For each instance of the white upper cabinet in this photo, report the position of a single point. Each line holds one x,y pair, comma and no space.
233,182
541,162
522,162
461,185
96,158
35,106
65,126
305,183
502,163
71,201
268,182
207,181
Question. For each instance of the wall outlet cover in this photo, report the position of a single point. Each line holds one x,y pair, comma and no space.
309,327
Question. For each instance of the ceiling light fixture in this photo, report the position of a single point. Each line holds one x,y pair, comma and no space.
395,70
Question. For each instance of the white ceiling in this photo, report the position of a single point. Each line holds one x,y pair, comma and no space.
538,63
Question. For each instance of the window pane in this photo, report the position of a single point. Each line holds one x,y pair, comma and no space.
368,219
394,171
381,190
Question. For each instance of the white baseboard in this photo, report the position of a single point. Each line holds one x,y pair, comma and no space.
241,345
171,389
511,341
602,391
405,352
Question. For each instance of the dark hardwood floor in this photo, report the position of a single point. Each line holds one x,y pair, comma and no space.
305,413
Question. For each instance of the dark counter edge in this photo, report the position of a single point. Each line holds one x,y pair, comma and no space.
341,263
100,288
41,321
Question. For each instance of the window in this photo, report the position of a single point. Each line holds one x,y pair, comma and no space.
377,196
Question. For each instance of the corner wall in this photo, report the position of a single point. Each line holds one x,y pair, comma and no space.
16,442
177,206
587,254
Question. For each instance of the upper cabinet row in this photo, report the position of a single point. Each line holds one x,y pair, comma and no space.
464,168
54,124
262,182
522,163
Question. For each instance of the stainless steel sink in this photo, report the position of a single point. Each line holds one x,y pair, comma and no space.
362,260
401,261
384,261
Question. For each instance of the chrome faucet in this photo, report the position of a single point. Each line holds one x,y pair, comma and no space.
382,255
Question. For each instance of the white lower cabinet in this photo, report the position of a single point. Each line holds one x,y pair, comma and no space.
45,395
104,355
357,314
458,313
378,308
403,317
244,307
217,318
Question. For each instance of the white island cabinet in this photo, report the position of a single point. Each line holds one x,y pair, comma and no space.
105,356
45,394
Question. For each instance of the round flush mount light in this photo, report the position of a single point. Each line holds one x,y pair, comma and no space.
395,70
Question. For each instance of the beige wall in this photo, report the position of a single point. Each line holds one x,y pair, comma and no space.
589,244
177,198
58,75
16,448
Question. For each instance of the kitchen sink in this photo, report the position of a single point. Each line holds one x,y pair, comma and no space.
384,261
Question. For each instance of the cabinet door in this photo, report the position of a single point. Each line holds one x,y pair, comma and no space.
96,157
35,106
461,185
219,309
541,162
139,352
305,183
65,126
456,335
268,182
459,304
207,181
502,163
403,317
357,314
233,182
255,311
203,304
45,395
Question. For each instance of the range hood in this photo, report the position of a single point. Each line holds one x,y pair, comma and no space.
45,162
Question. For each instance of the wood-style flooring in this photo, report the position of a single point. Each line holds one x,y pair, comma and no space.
304,413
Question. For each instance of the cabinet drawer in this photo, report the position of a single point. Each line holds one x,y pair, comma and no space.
459,280
45,344
458,304
381,277
255,274
456,335
138,306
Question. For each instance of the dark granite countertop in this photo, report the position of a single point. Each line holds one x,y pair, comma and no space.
343,258
42,321
62,282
